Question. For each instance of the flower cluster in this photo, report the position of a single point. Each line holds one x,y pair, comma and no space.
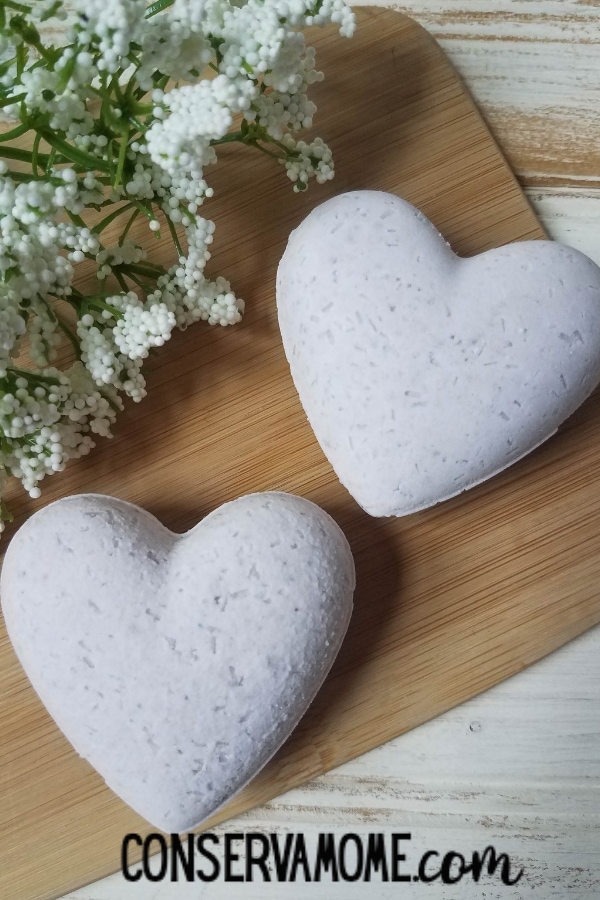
122,123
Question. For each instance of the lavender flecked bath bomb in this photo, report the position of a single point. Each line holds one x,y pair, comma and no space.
177,664
423,374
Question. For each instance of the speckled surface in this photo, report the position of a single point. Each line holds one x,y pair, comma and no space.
423,374
177,665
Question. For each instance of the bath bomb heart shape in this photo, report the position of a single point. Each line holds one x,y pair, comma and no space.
423,374
177,665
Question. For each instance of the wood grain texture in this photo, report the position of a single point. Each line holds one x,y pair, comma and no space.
451,600
532,67
570,215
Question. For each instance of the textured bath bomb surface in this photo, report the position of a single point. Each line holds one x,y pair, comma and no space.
177,665
421,373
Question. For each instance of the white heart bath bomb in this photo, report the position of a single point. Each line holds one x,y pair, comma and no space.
177,664
421,373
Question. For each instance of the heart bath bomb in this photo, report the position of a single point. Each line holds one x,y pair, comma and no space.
423,374
177,664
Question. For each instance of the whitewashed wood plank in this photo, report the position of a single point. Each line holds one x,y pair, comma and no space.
538,20
542,102
533,68
571,216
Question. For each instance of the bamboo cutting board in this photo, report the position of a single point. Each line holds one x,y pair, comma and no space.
449,601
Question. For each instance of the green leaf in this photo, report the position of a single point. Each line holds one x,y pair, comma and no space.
158,7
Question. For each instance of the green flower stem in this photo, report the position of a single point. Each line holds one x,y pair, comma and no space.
254,136
66,73
121,280
229,138
112,122
51,160
104,204
131,84
97,303
6,101
158,7
21,55
52,11
4,444
115,88
110,158
35,156
22,155
81,303
175,237
8,63
5,513
15,132
136,281
34,377
142,109
23,177
264,150
104,223
110,401
141,128
62,325
132,219
122,157
277,143
73,303
18,7
66,330
76,220
73,154
144,210
150,270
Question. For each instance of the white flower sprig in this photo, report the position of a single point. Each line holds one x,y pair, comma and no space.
108,135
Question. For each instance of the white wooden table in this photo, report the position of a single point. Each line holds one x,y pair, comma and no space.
518,767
